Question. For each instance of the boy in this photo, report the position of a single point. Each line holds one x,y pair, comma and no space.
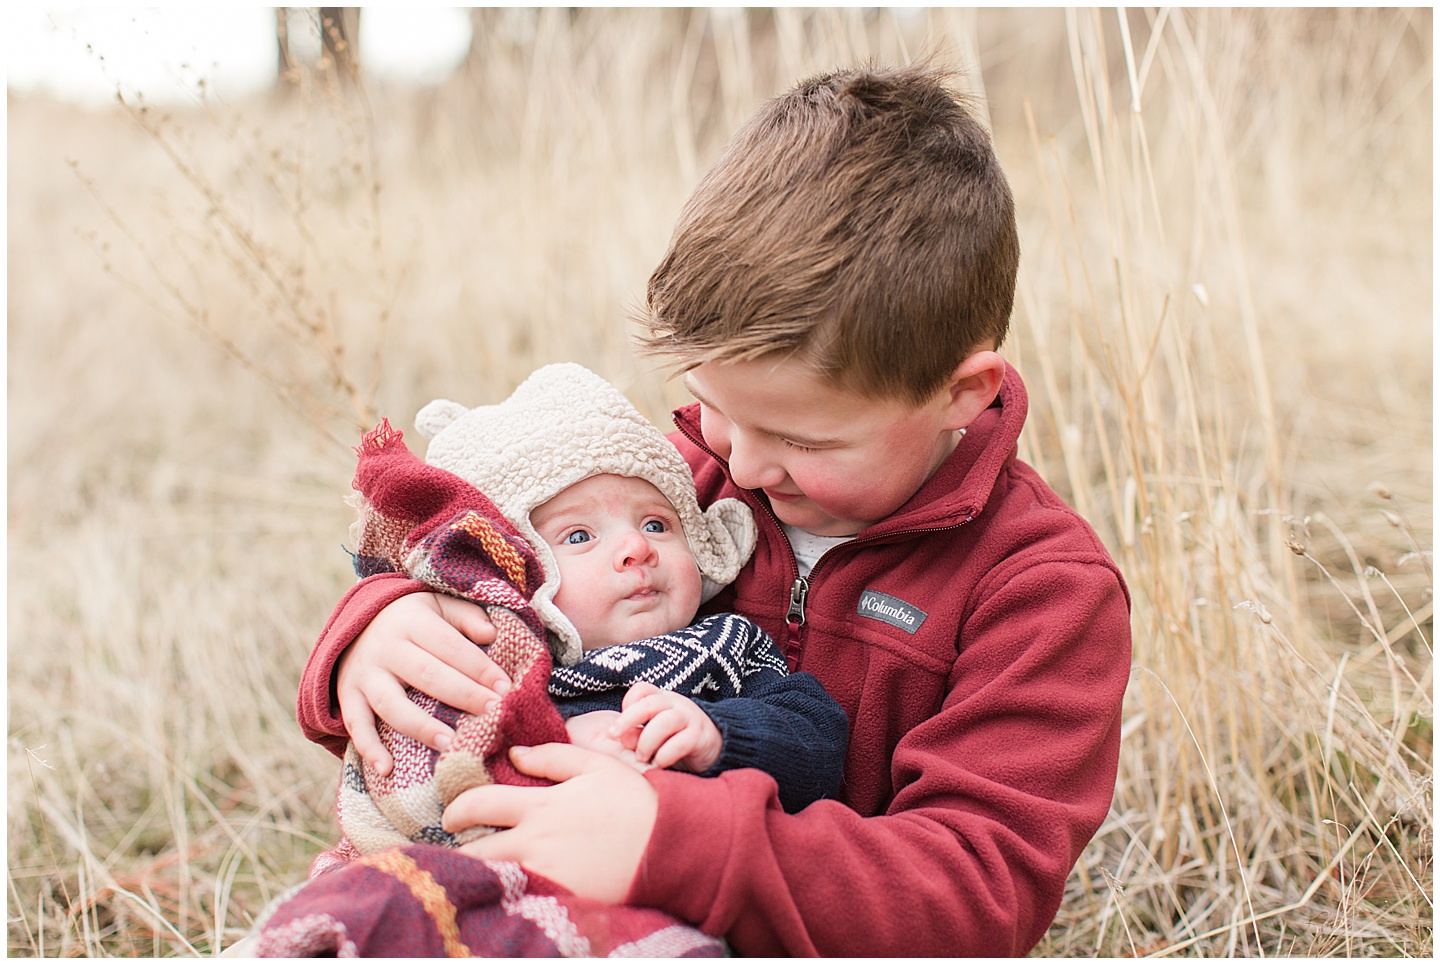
835,290
582,546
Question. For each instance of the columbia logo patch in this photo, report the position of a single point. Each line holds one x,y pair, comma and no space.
888,609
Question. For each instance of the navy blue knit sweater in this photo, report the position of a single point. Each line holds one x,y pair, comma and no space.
783,723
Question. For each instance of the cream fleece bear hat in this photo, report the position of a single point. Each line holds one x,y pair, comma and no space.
564,424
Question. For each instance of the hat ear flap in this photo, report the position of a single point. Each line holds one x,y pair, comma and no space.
435,416
732,534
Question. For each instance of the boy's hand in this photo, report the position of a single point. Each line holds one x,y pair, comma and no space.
593,731
665,728
428,641
588,832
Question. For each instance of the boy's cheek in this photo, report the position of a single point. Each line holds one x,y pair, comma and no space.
835,485
720,445
710,433
867,498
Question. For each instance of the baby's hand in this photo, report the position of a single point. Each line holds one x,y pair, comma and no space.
665,729
593,730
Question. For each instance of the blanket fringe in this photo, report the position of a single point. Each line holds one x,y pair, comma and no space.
380,438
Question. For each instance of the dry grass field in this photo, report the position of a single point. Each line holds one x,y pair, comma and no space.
1224,319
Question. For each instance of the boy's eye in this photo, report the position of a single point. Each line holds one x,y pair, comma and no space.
655,526
579,536
799,448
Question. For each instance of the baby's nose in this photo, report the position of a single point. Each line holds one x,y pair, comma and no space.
634,550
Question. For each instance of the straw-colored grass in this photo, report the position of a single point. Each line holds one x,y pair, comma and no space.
1224,319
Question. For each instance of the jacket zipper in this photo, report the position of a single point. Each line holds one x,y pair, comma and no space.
800,589
800,586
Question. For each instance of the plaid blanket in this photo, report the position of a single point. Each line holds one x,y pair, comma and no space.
433,525
378,893
425,901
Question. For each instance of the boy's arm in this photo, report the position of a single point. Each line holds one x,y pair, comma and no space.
995,798
316,707
388,634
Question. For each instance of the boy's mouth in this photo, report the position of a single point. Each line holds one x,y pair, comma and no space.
782,497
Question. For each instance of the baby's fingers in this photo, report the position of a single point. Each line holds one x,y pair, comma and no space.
674,750
639,691
641,702
665,728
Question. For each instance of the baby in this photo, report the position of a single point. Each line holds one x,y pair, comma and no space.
576,518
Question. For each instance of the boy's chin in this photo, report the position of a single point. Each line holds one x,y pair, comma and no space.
813,521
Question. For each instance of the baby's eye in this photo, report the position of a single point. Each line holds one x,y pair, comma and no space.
655,526
799,448
579,536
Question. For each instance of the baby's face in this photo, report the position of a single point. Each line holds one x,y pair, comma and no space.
626,571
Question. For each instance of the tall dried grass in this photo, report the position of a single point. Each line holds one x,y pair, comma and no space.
1224,321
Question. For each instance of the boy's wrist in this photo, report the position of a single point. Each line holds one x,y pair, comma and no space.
666,879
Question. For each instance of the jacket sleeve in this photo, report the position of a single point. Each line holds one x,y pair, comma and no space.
315,706
788,727
995,796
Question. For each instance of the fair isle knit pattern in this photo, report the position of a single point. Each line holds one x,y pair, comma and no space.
712,659
439,529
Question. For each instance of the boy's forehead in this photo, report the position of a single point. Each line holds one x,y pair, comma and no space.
785,399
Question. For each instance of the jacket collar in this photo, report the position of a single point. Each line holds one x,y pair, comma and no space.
959,489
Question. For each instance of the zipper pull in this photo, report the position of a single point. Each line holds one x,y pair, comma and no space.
795,616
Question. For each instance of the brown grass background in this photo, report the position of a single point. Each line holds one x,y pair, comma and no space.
1224,320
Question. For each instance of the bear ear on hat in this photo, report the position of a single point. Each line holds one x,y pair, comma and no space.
435,416
732,530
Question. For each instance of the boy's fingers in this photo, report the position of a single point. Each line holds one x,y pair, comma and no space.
432,675
498,805
587,834
559,762
360,724
505,805
469,618
400,712
500,846
455,641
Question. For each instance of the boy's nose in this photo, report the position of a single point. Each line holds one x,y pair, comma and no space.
634,550
751,469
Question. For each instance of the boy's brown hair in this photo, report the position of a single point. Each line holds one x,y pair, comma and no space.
861,223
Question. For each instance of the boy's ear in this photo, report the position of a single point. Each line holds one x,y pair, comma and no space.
972,387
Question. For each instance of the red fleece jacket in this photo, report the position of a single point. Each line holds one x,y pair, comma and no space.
978,639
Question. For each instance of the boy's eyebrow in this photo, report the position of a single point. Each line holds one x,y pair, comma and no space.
689,384
799,438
